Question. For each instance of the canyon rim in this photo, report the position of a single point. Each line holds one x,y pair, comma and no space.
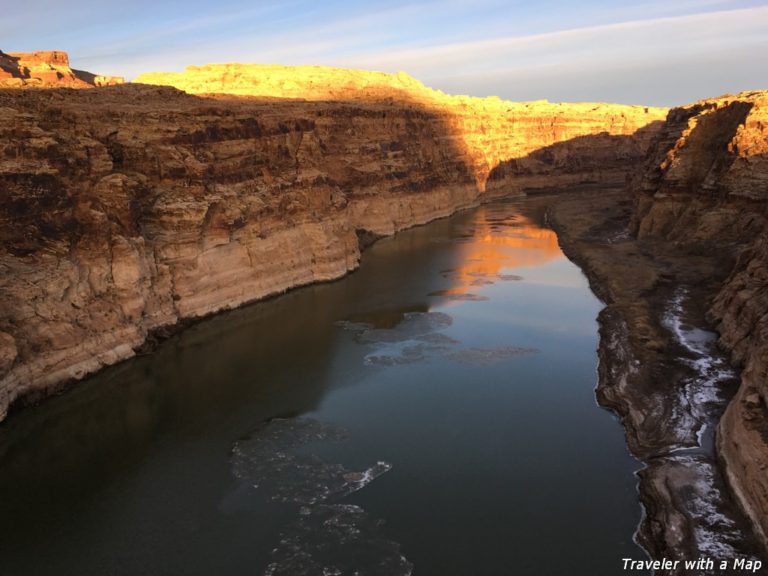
129,210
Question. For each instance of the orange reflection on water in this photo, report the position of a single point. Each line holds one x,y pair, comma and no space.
493,249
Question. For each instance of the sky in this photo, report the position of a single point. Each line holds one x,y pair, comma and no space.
652,52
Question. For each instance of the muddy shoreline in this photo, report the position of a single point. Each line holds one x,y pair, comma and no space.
660,371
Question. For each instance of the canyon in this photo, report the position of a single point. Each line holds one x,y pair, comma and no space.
129,210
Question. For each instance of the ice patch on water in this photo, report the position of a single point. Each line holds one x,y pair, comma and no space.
397,354
479,278
270,461
359,480
413,325
419,337
437,339
336,539
448,294
486,356
354,326
326,537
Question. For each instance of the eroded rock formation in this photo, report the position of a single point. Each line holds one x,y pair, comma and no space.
706,190
130,209
46,70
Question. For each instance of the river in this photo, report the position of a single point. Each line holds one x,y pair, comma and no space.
432,412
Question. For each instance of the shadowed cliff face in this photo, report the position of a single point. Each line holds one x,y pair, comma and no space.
705,191
127,210
596,160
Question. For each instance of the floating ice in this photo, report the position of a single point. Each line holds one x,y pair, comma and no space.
269,460
482,281
485,356
418,337
354,326
437,338
326,537
460,296
413,325
338,540
509,277
397,354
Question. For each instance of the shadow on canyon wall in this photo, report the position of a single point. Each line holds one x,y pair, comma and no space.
710,137
696,188
592,161
294,157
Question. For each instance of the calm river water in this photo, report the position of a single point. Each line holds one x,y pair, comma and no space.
432,412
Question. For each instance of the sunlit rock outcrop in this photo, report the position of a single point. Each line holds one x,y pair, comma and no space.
48,69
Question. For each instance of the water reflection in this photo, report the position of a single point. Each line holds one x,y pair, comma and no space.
491,246
459,363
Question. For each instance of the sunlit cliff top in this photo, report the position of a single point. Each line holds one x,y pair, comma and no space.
327,83
49,69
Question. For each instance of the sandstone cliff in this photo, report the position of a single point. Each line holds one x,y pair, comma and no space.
491,130
45,70
705,190
131,208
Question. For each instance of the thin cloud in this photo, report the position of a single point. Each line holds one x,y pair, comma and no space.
478,47
624,61
709,29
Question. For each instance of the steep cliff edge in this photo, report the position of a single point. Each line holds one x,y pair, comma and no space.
131,208
705,190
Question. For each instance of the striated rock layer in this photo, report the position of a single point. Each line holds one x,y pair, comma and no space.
705,191
129,209
544,140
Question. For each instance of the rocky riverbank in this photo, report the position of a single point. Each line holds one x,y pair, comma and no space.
660,371
680,262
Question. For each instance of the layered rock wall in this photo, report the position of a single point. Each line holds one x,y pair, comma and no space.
705,189
549,144
128,209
